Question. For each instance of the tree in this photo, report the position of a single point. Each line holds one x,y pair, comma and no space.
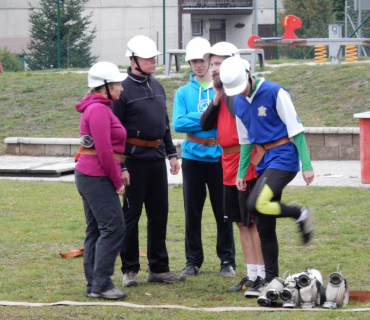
76,39
315,16
338,10
9,61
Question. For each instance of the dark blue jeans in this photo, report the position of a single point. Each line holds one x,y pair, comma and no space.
104,231
197,175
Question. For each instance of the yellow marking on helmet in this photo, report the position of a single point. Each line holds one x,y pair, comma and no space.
264,204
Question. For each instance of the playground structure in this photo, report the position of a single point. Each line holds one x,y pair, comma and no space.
336,44
290,39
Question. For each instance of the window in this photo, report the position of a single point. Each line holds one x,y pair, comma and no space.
197,26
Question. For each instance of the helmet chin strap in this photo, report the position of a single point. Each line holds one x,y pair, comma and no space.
250,83
138,68
107,88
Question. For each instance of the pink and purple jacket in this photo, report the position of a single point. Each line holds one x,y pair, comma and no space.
109,137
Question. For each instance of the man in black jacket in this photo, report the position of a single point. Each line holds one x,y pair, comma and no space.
142,111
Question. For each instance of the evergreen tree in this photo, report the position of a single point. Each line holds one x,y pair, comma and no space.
76,39
338,10
315,15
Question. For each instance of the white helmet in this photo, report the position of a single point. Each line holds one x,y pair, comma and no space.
104,71
224,49
141,46
234,75
196,48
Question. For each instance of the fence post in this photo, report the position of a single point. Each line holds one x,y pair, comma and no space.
58,34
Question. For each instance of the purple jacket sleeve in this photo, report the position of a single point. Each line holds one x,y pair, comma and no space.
100,127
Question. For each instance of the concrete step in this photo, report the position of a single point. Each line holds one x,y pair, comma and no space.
26,166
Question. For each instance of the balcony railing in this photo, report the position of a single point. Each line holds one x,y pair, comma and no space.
217,3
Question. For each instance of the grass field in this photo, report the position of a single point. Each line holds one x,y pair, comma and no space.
41,104
39,219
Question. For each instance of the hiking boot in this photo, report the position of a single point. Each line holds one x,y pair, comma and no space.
167,277
306,226
244,284
112,294
227,270
190,270
130,279
255,290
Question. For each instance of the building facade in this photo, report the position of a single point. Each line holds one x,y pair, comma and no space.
170,23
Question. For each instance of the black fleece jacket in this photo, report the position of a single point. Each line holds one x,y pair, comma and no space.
142,110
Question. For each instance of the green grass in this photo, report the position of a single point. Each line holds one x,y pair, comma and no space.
39,219
41,104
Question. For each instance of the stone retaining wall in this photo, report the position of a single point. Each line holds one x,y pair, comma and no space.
324,143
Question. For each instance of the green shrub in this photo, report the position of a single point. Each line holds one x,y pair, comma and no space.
10,60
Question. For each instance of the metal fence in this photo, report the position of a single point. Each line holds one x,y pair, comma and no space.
170,23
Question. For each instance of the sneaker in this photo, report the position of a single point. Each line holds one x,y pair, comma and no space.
307,226
244,284
227,270
255,289
190,270
130,279
112,294
167,277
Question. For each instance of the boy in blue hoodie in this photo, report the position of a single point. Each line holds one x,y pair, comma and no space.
200,164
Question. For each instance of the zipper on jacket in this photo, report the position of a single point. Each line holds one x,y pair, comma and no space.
151,90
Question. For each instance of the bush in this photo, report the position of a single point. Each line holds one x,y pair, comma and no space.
10,60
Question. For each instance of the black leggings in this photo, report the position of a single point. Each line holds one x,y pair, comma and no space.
264,203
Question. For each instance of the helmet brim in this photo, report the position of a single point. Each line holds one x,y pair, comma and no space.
118,78
236,90
144,56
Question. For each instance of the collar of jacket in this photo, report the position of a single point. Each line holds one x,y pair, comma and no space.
136,78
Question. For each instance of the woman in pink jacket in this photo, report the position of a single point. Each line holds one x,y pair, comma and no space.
98,179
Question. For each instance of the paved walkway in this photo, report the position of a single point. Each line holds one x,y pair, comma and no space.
327,173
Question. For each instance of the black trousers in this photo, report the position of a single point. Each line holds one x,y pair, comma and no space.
148,187
197,175
264,203
104,231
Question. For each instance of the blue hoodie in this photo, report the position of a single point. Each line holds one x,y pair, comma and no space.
190,102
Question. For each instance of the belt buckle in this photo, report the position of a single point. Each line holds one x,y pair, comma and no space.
211,142
159,141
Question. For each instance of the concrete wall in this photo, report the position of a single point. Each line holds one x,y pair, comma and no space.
324,143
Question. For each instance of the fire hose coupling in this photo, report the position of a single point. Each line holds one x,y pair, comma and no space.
337,292
87,141
303,280
307,290
290,293
336,278
271,293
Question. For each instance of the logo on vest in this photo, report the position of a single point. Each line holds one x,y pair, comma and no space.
262,111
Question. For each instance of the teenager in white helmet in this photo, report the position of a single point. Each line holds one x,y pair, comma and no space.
200,164
220,113
98,179
142,110
266,117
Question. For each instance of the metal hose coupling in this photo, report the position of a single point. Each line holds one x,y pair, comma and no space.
87,141
337,291
290,292
271,293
